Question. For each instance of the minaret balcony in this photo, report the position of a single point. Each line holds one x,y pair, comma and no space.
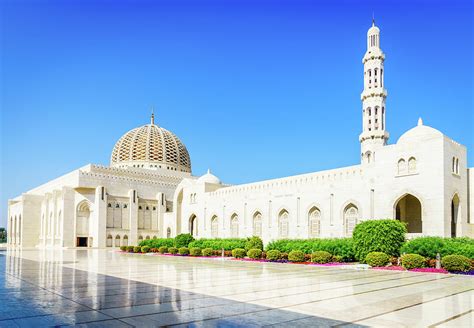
373,92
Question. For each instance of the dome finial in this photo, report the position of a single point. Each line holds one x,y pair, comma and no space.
373,19
420,121
152,115
208,171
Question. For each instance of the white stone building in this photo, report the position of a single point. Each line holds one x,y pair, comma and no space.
148,189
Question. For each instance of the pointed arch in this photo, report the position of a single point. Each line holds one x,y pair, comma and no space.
125,240
109,241
408,209
455,214
314,222
117,241
351,218
234,226
193,225
257,224
214,226
283,223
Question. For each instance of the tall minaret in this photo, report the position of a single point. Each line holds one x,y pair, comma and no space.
373,136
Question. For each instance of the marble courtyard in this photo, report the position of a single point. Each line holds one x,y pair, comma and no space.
106,288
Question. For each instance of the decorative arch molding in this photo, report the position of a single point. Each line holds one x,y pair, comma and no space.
350,220
84,205
312,206
193,224
346,204
405,192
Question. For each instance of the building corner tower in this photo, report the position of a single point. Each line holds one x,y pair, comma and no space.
373,136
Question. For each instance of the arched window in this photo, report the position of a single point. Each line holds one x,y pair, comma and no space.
117,241
257,224
109,241
314,223
193,225
214,227
234,226
368,157
402,166
283,224
351,218
125,241
412,165
147,237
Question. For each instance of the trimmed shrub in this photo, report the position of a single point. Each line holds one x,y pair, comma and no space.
377,259
284,256
195,251
429,246
456,263
273,255
296,256
378,236
157,242
183,251
255,253
218,244
321,257
145,249
413,261
254,243
154,250
123,248
130,249
163,249
336,259
137,249
337,246
238,253
173,250
207,252
183,240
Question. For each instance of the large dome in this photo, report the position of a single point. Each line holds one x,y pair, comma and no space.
151,147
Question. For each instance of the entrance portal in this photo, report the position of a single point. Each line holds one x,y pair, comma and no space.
408,210
81,242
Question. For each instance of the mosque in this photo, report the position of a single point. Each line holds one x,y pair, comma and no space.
149,191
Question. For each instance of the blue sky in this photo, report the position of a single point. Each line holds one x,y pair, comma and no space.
255,89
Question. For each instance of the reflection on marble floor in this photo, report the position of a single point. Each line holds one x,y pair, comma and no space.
106,288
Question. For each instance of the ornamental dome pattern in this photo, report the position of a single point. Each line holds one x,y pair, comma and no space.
151,147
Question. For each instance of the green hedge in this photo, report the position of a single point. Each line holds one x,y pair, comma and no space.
183,240
173,250
254,253
385,236
296,256
429,246
456,263
273,255
217,244
413,261
183,251
157,242
321,257
337,246
239,253
377,259
254,243
207,252
195,251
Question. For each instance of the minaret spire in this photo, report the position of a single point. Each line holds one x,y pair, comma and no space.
373,97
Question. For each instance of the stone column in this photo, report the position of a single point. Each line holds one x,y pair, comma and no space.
133,217
69,214
97,226
161,209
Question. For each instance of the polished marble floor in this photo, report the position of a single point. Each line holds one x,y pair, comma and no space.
104,288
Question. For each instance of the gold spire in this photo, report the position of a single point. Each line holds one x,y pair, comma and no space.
152,116
373,19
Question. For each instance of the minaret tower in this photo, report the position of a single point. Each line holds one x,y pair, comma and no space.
373,136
